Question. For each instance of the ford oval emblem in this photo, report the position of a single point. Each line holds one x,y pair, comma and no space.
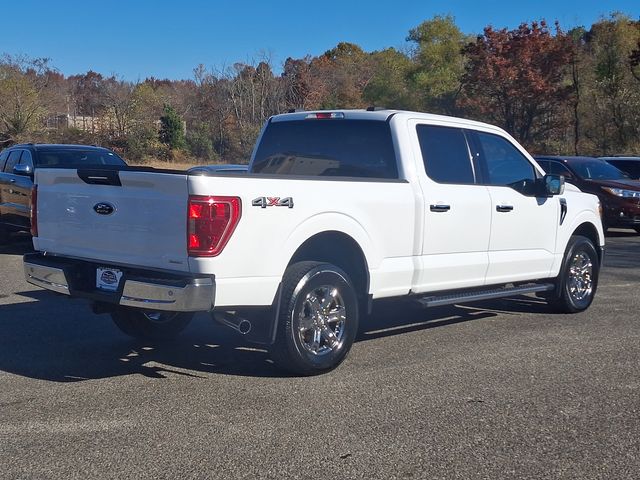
104,208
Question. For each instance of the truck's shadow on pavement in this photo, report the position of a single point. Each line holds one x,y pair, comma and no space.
51,337
397,317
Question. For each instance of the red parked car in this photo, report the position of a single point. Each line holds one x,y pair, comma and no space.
618,193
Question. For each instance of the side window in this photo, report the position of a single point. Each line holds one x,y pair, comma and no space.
544,164
618,164
504,164
445,154
556,168
3,159
26,159
12,161
633,169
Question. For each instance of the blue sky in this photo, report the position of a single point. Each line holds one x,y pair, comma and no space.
167,39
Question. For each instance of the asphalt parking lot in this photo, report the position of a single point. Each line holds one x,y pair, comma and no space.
499,389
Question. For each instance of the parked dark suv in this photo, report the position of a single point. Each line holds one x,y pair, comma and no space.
17,166
618,193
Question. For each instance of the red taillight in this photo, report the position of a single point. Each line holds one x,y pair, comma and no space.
33,212
211,223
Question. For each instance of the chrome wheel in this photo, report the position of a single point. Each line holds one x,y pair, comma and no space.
322,320
580,281
317,319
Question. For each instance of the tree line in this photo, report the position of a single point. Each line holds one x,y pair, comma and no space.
556,91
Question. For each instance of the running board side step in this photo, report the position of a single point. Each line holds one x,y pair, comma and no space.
437,301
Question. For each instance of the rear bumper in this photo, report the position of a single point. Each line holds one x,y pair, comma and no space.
138,288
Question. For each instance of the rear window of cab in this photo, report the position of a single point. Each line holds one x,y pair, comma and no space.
77,158
327,147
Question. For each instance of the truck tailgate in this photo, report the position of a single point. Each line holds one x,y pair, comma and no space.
140,218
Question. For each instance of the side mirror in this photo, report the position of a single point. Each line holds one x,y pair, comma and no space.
553,185
25,170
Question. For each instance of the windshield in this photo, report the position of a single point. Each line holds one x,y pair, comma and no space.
348,148
598,170
75,157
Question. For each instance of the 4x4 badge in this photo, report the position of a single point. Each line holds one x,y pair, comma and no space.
265,202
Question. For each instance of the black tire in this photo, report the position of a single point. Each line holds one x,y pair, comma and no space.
321,297
150,325
578,279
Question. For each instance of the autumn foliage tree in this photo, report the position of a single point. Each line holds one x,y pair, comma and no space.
389,85
24,98
346,71
634,62
613,101
172,129
303,87
516,79
438,64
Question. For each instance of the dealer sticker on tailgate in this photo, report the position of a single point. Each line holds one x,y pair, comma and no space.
108,278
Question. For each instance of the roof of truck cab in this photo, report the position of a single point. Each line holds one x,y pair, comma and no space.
383,115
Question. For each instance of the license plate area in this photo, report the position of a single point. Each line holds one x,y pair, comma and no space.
108,279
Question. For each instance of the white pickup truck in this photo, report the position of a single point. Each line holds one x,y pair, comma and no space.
338,209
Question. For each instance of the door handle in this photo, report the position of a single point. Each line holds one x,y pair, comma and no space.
12,180
439,208
504,208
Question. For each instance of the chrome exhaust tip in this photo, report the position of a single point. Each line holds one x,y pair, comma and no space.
239,324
